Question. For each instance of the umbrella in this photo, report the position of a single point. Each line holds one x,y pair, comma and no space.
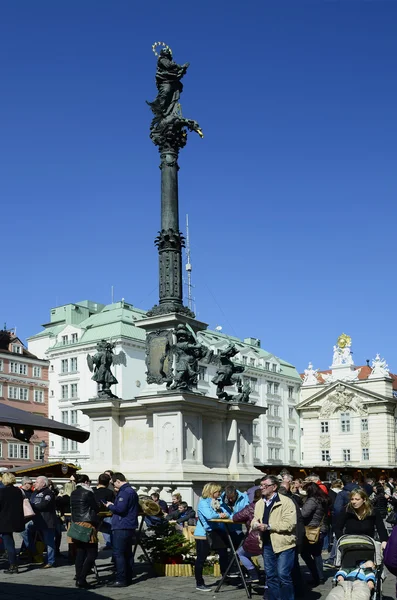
23,423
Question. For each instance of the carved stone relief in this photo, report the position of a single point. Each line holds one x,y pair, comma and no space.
325,440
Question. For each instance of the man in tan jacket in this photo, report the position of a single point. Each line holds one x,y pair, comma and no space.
275,516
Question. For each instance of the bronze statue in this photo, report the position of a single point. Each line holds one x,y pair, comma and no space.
188,353
227,373
168,125
101,362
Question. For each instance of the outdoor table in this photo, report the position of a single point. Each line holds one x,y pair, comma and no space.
235,557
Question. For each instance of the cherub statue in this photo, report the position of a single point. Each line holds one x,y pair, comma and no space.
188,352
227,372
101,362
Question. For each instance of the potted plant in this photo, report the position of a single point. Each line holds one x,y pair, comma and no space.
167,549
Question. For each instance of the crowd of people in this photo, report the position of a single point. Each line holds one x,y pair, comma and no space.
283,518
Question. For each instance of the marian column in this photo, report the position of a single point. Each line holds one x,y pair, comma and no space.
170,325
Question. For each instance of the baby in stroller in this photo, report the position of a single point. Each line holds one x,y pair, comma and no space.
364,571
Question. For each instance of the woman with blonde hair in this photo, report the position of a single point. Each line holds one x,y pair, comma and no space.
208,508
360,518
11,518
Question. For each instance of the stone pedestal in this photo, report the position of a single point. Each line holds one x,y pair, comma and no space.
172,439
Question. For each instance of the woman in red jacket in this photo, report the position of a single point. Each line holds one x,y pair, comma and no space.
251,546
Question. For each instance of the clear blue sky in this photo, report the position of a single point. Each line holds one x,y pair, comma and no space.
291,195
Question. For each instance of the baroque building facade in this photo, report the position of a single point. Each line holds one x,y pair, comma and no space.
348,414
23,385
74,331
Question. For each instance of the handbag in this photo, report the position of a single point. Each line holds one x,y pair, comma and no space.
313,533
80,533
28,511
216,538
391,518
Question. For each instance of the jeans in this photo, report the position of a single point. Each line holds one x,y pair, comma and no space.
202,551
48,536
25,534
245,558
311,554
9,546
105,529
122,554
278,569
85,559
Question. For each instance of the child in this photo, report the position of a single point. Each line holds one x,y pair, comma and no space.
365,571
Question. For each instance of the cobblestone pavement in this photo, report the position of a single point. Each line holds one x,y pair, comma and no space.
33,583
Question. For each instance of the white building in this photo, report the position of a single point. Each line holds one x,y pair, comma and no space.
75,329
348,414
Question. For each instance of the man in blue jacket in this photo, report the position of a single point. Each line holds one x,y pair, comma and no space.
124,524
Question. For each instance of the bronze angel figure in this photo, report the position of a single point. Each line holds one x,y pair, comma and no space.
101,364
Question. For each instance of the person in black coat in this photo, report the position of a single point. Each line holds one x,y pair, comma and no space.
184,515
360,518
11,518
380,501
84,509
45,519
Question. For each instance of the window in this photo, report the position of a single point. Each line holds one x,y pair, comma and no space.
64,391
274,368
19,368
252,362
267,366
1,365
17,349
52,393
324,427
301,431
256,451
1,389
292,454
64,365
269,387
73,390
325,456
18,451
252,382
364,424
38,396
255,429
64,340
277,432
73,417
275,410
346,455
75,337
65,416
345,422
271,452
64,444
365,453
73,365
15,393
275,388
277,453
73,445
37,455
290,391
290,412
270,430
202,374
292,433
244,359
36,371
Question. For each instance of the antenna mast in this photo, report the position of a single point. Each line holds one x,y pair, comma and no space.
188,267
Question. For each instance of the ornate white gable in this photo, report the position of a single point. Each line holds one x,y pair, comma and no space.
338,397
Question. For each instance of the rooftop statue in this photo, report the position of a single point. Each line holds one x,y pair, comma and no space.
310,376
380,368
101,363
168,127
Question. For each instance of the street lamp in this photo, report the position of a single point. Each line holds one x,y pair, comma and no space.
42,447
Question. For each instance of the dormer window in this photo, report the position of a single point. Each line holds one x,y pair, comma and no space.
274,368
16,348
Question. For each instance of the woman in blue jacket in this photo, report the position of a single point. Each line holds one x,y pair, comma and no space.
208,508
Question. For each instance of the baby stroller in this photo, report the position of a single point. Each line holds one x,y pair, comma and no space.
353,549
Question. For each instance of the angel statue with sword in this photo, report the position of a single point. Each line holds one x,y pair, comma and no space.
101,363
